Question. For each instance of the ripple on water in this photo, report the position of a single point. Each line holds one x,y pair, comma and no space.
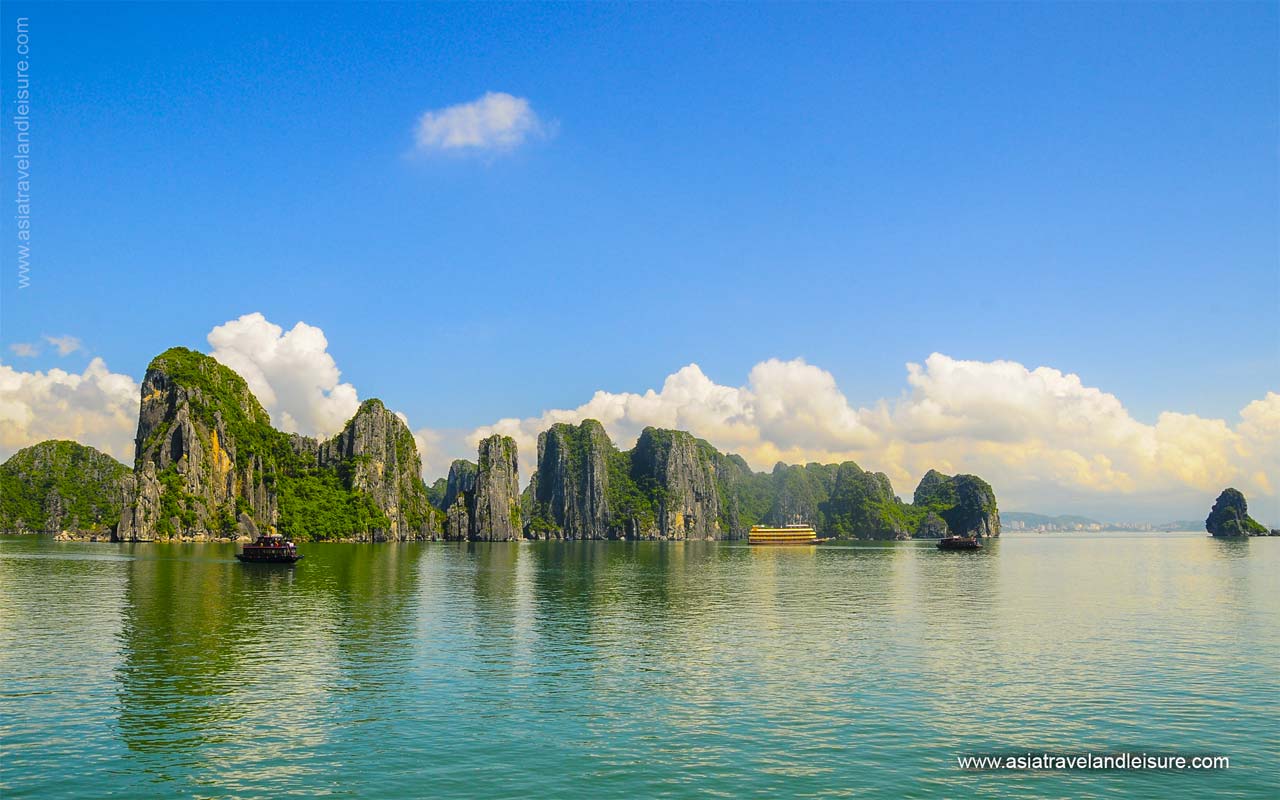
624,669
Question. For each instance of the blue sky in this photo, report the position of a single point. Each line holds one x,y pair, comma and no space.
1087,187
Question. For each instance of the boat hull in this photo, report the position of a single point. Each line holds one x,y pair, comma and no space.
787,535
255,558
960,543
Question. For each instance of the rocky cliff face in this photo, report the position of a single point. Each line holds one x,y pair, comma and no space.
436,492
862,505
481,501
737,486
572,483
845,501
497,516
209,464
976,513
686,504
1230,517
798,492
667,487
62,487
459,500
204,451
462,480
674,486
966,503
932,526
375,455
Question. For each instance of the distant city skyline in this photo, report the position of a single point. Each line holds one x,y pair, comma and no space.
1033,242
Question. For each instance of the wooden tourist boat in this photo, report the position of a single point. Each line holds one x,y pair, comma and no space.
960,543
270,550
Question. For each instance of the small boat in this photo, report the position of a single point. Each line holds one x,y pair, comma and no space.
797,533
270,550
960,543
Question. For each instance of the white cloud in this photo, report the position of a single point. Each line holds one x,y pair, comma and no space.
788,411
96,407
438,449
496,121
65,345
291,373
1043,438
24,349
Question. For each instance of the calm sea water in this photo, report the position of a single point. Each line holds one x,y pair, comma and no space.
635,669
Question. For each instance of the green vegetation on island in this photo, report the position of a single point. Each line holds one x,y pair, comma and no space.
481,501
58,486
675,486
209,464
1230,517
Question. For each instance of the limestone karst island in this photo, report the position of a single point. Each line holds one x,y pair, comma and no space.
209,465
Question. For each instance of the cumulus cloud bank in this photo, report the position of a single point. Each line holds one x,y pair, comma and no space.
1042,437
96,407
787,411
496,121
291,373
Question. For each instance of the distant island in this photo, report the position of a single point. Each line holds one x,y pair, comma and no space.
209,465
60,486
1229,517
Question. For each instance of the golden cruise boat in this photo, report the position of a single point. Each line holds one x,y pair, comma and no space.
797,533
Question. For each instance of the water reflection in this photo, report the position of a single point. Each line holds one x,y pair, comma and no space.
59,615
599,669
1231,546
239,670
179,639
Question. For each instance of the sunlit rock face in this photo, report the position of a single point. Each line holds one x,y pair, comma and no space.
209,464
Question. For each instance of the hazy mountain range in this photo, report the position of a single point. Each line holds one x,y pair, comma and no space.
1027,520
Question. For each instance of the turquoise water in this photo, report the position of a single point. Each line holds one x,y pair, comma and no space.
602,670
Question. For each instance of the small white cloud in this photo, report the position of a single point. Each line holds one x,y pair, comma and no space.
65,345
496,121
24,349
